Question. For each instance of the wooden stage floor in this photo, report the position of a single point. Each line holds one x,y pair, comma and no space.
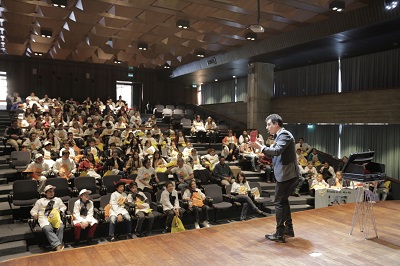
322,238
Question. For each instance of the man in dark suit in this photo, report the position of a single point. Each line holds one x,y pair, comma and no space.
286,174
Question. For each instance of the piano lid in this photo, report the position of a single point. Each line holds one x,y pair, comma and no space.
356,160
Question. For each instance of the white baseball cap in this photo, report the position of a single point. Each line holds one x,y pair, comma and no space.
48,187
84,191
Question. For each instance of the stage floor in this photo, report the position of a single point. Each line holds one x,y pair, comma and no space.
322,238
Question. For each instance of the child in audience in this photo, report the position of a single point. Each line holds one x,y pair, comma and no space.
170,203
118,211
196,204
83,216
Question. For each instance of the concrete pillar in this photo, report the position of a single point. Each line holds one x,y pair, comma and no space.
260,90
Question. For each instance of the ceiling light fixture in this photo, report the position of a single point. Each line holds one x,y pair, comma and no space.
200,53
59,3
143,46
257,27
251,36
166,65
182,24
117,61
337,6
46,33
38,54
391,4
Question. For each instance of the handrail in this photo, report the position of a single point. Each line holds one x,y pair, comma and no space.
221,115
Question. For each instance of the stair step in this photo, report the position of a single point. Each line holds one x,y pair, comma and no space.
3,198
4,166
6,219
15,232
14,247
5,188
3,180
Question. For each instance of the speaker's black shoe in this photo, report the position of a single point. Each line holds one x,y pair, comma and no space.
289,230
276,237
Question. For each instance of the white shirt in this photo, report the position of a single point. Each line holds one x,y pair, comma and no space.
167,205
117,202
40,207
77,213
144,174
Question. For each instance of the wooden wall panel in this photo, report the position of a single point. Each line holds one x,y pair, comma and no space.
379,106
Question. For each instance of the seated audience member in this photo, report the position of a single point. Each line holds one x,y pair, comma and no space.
170,133
187,151
47,211
304,147
77,133
120,124
170,203
230,147
319,182
148,149
210,159
311,172
64,166
211,129
136,120
296,191
60,133
300,158
115,164
133,163
91,167
112,148
315,158
194,161
151,121
118,211
49,155
382,190
38,170
33,144
249,154
342,163
144,176
327,171
199,129
89,132
114,138
184,173
196,204
149,138
244,137
108,120
40,132
67,147
240,189
142,209
269,141
92,149
14,135
339,181
223,173
155,132
180,140
126,134
158,163
83,216
53,141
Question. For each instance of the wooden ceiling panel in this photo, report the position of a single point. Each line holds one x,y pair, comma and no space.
17,29
15,48
104,31
40,47
127,12
141,27
95,7
187,34
40,39
204,26
226,15
277,9
199,11
16,39
86,18
153,17
50,24
55,12
17,18
18,7
60,54
96,40
121,44
301,15
165,31
115,23
130,35
176,5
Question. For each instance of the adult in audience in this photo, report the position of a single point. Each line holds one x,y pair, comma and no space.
115,164
315,158
33,144
196,198
304,147
170,203
327,171
83,216
145,175
240,189
230,147
199,129
118,212
47,211
183,172
244,137
142,210
65,166
14,135
38,170
211,129
223,172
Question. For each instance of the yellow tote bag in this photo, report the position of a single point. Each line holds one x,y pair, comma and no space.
177,225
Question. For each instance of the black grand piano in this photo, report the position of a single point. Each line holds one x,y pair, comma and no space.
360,168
